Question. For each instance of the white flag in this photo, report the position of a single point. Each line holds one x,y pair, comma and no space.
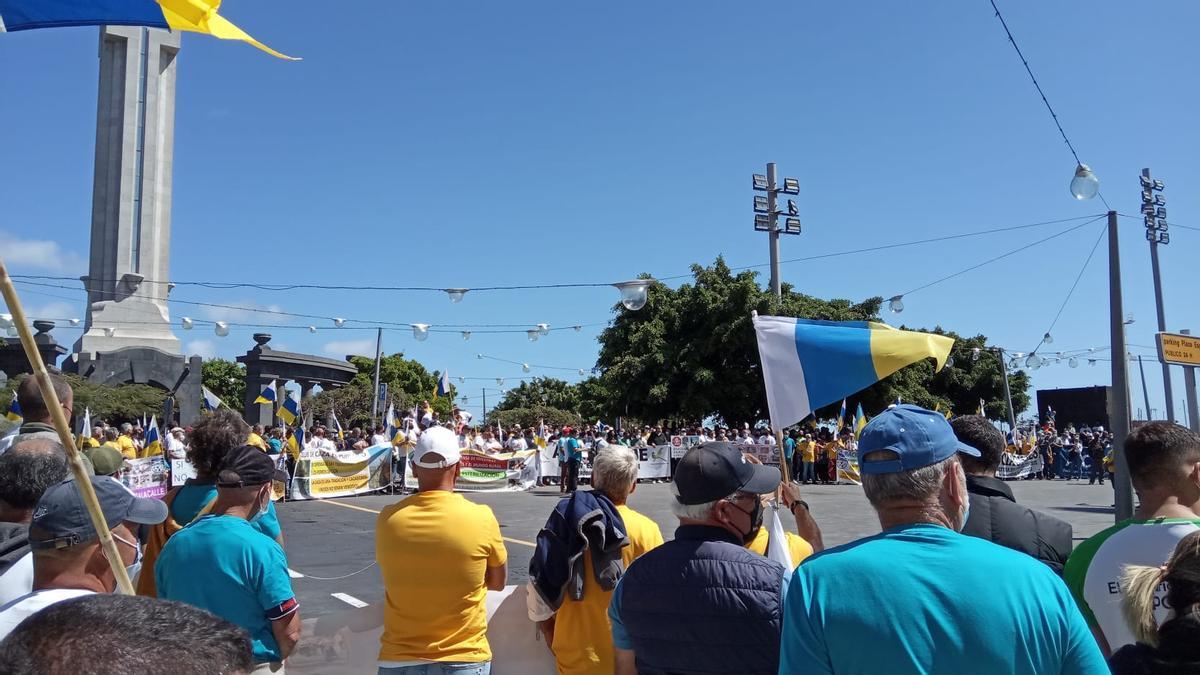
777,546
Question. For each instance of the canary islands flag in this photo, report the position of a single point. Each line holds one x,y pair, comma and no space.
197,16
295,442
14,410
153,439
268,395
443,385
393,424
808,364
860,421
841,421
289,412
211,400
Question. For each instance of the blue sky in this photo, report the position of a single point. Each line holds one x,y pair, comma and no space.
472,144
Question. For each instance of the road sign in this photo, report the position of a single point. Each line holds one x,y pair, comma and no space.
1179,350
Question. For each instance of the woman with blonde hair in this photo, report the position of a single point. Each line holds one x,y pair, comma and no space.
1173,647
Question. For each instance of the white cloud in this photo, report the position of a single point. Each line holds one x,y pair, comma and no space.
206,349
40,254
54,310
340,348
241,315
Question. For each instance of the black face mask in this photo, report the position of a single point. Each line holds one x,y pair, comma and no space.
756,520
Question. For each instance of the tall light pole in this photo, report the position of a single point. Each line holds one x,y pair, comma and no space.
1189,381
1012,414
1154,215
1123,489
767,212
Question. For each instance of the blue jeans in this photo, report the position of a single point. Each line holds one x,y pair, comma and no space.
440,669
808,474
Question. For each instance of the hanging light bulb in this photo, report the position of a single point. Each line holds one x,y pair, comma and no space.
975,354
1084,185
312,329
500,381
466,335
462,380
338,322
186,322
543,329
1048,338
896,304
525,368
533,335
633,293
456,294
582,372
1033,361
577,328
1073,362
420,331
221,328
73,322
1014,364
1091,362
479,356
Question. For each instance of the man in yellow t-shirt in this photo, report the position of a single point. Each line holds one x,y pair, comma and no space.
125,442
439,555
579,634
255,438
808,458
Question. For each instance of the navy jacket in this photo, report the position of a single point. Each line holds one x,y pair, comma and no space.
584,523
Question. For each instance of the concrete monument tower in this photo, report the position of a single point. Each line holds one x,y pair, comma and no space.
128,337
131,197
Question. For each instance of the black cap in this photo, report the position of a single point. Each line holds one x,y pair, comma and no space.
248,466
60,518
714,471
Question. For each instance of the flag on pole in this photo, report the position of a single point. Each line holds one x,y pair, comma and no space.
14,410
333,422
980,412
211,400
777,545
197,16
85,427
443,385
393,424
808,364
841,420
289,412
860,421
295,442
268,394
153,439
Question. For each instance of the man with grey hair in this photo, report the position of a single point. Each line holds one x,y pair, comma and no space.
921,597
703,603
579,634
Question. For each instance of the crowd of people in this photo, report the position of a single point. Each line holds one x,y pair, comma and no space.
961,577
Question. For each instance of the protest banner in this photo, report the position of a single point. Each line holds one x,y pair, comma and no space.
147,476
847,467
678,447
767,454
1013,466
654,462
181,471
343,473
490,473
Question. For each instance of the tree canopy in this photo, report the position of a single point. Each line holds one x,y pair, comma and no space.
409,384
226,379
691,354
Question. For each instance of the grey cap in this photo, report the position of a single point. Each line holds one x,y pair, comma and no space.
60,518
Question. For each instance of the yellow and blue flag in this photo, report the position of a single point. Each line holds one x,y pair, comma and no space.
289,412
808,364
14,410
841,421
295,442
268,394
153,439
860,421
392,423
197,16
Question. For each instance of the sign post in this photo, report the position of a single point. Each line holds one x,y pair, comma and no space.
1183,349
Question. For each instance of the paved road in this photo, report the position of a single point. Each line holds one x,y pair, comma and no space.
333,538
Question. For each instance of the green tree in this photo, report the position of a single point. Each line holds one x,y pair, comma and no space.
542,391
226,379
409,384
532,416
691,353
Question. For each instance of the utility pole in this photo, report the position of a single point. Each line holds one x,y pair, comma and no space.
1154,215
375,391
1145,392
766,216
1012,414
1123,489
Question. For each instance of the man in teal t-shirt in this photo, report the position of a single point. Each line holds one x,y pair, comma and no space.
920,597
221,563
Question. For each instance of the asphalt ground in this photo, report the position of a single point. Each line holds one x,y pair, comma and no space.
328,541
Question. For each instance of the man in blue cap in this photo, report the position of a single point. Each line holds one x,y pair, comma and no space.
920,597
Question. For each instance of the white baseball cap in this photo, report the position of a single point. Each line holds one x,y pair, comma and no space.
438,441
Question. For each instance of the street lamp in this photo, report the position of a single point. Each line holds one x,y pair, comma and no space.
1084,185
543,329
1048,338
466,335
186,322
420,331
532,334
766,216
312,329
338,322
525,368
221,328
456,294
896,304
634,293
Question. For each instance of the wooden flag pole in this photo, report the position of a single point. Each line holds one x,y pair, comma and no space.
63,427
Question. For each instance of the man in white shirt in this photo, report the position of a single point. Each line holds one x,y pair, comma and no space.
67,558
380,437
516,442
176,448
320,444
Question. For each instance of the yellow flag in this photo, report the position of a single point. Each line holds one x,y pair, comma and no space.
200,16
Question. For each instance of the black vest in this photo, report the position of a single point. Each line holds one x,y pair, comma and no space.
703,604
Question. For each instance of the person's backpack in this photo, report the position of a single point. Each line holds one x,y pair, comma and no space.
159,534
